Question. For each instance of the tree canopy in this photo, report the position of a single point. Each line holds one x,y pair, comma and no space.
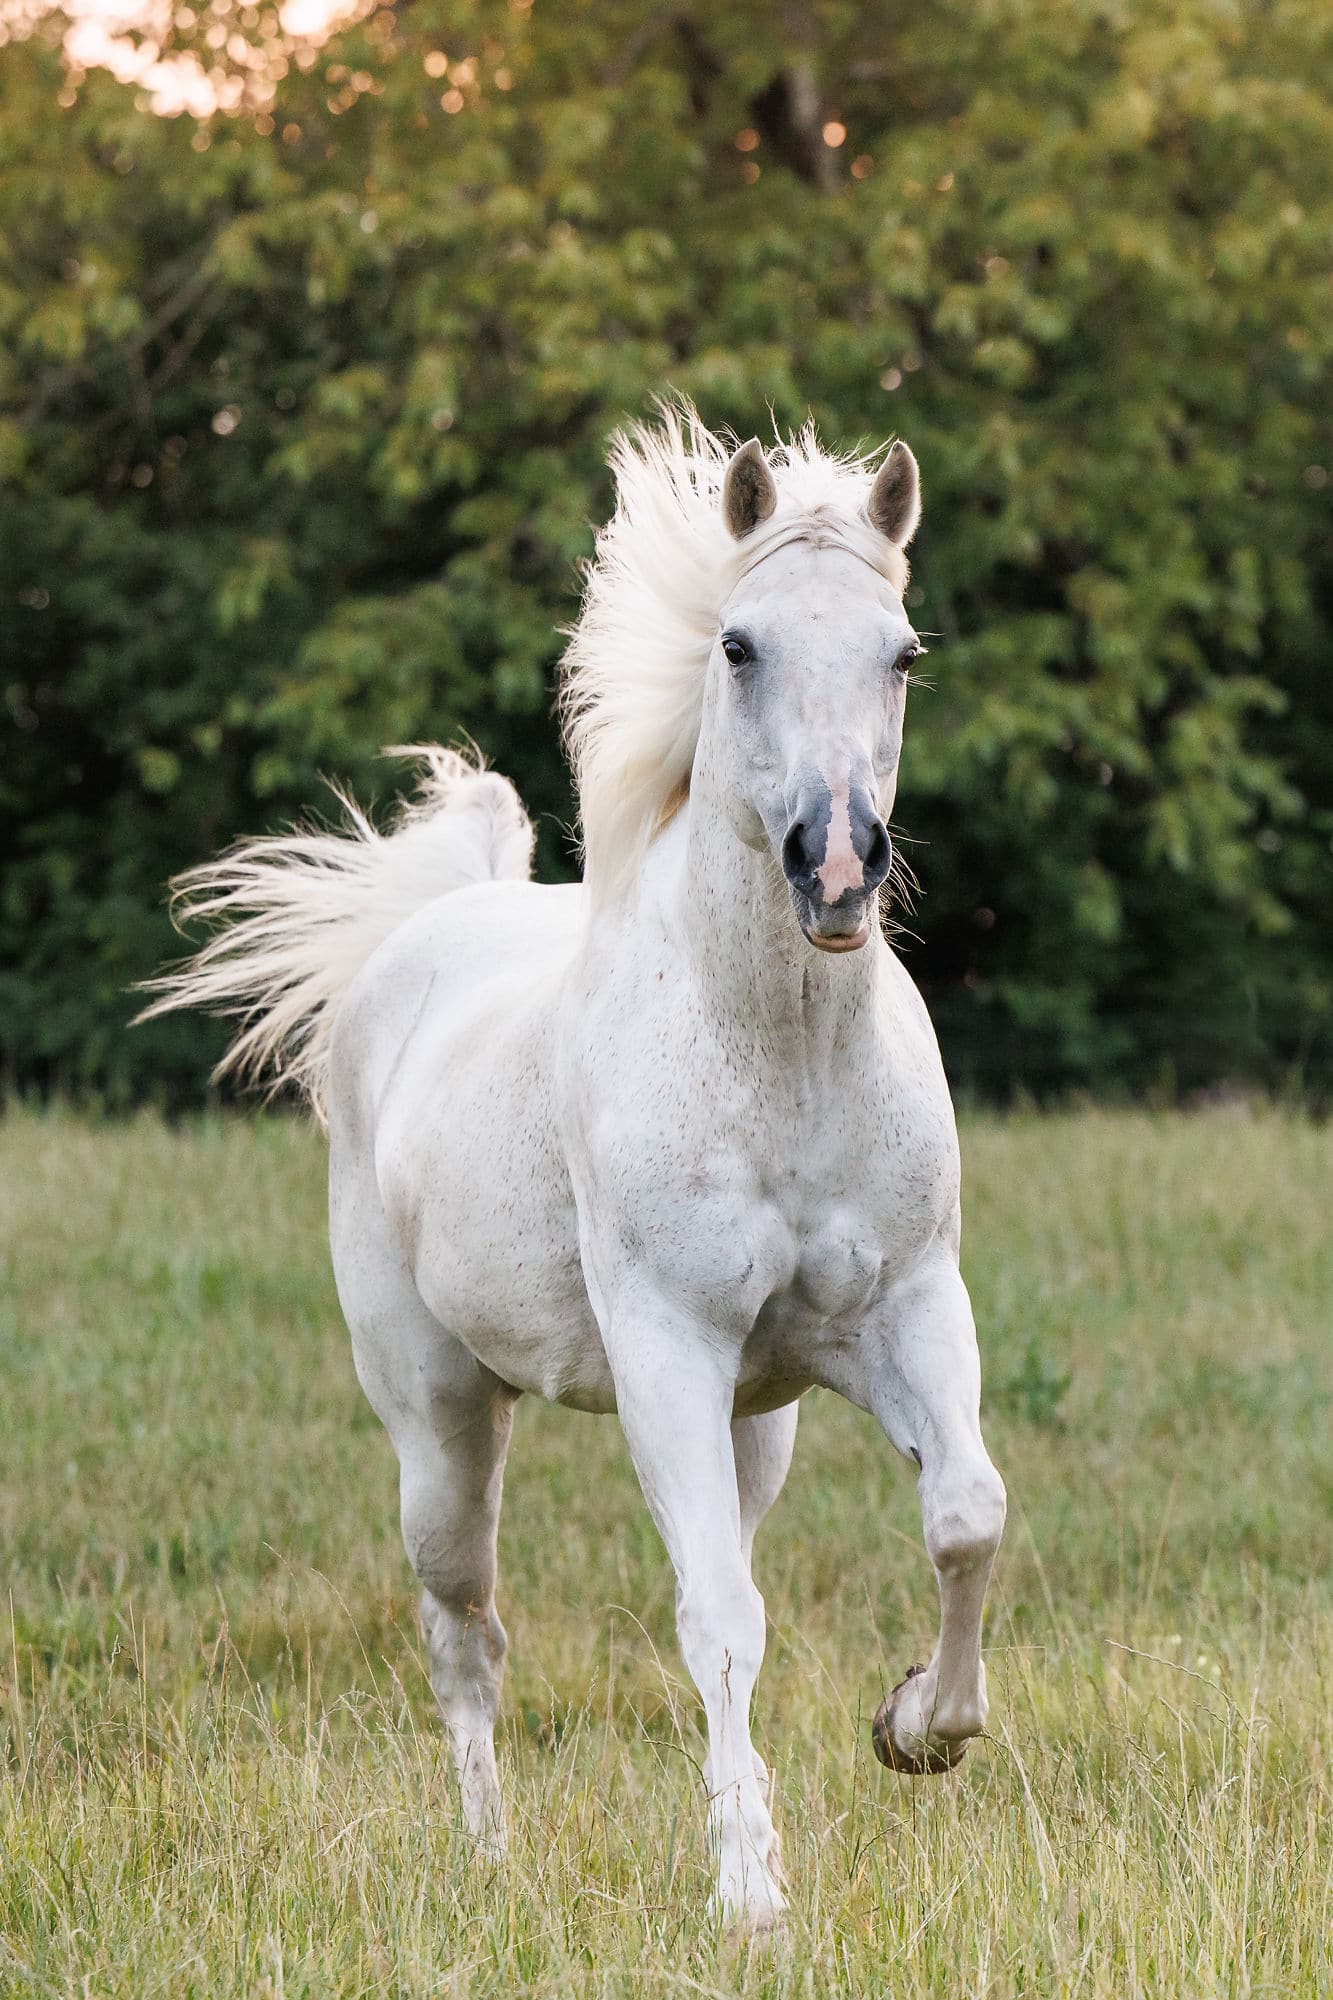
303,411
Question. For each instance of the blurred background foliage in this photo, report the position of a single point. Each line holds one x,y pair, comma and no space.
303,411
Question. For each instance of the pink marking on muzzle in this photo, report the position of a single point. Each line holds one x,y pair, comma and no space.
841,868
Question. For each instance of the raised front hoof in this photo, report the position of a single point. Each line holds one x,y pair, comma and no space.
925,1759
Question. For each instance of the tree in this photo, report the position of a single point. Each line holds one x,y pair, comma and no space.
304,421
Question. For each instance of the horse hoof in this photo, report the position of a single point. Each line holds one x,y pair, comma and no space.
926,1762
752,1922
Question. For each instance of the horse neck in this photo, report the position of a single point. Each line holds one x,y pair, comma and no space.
750,961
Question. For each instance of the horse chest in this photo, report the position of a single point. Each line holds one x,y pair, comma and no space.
848,1247
773,1190
862,1197
839,1259
770,1261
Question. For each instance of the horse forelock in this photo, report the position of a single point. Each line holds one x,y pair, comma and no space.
663,568
823,530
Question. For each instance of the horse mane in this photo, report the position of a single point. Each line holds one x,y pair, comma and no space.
663,567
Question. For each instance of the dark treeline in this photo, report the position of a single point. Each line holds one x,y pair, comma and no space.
302,422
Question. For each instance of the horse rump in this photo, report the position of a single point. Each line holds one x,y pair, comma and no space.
294,916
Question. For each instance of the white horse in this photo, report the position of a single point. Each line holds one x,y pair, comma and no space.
674,1142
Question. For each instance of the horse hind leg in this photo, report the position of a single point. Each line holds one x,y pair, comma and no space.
449,1420
762,1447
451,1474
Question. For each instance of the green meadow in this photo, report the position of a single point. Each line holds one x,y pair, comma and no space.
219,1769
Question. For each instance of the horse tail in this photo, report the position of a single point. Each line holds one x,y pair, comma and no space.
297,915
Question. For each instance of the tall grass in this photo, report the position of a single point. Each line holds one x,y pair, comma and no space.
220,1770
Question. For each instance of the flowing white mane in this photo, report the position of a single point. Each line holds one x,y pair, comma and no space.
664,567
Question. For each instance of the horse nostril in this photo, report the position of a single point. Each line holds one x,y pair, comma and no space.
795,855
878,855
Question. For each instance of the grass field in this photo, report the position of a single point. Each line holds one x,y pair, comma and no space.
220,1773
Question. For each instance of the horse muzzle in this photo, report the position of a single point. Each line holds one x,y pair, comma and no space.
846,927
835,855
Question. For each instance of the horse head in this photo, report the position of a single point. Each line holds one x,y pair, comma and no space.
807,685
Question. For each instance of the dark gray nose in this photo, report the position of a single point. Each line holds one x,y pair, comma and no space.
837,845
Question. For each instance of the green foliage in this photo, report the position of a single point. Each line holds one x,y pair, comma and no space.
302,434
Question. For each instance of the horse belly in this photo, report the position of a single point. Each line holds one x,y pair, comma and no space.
493,1248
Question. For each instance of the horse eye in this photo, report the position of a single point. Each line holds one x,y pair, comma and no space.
738,654
910,653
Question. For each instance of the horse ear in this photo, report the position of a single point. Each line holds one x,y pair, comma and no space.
894,505
748,493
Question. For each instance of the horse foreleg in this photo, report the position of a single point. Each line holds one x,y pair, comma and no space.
674,1400
926,1390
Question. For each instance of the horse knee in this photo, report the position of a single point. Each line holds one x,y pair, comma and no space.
459,1583
964,1517
451,1551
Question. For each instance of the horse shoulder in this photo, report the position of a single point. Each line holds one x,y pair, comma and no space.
661,1126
